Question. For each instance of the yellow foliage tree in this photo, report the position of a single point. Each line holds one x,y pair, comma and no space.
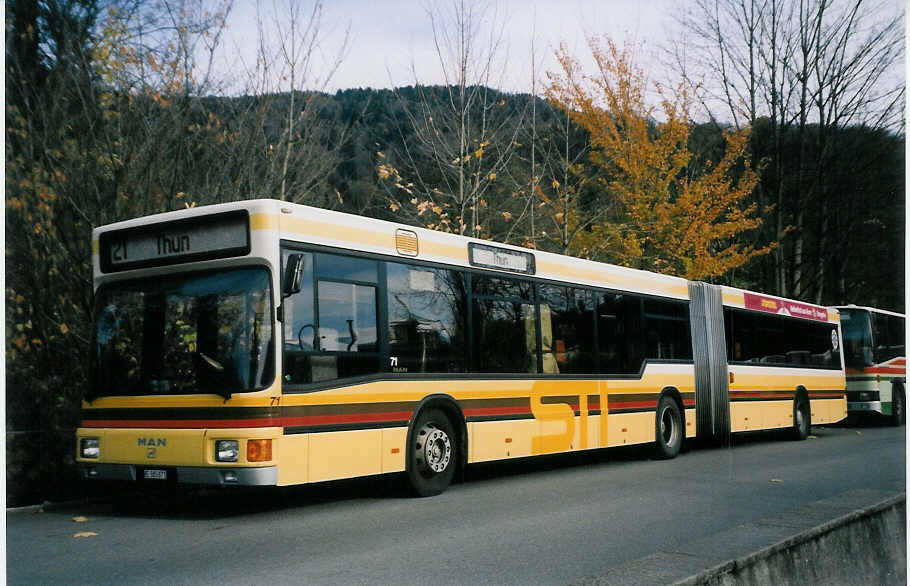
673,216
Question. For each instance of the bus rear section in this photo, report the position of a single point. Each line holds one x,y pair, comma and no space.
764,362
876,363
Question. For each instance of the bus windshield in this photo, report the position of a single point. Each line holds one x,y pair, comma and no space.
193,333
857,330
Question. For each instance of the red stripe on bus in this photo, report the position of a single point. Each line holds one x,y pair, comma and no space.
633,404
778,396
308,420
493,411
878,370
782,396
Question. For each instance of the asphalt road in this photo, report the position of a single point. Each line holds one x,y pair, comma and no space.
548,521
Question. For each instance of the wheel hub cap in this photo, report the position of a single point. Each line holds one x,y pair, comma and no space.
437,450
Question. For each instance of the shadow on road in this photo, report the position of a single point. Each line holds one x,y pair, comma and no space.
866,420
181,502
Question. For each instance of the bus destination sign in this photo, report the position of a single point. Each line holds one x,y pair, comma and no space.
202,238
785,307
493,257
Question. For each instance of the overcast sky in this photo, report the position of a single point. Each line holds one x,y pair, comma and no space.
386,36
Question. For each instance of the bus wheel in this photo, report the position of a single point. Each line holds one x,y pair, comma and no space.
668,429
431,457
802,418
898,413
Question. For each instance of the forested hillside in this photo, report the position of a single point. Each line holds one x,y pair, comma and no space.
101,128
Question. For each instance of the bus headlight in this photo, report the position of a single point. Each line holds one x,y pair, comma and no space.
227,450
90,447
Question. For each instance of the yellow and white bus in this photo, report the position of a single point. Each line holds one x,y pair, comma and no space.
268,343
876,361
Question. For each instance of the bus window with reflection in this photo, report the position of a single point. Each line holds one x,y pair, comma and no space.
505,325
620,333
567,329
427,312
331,325
184,334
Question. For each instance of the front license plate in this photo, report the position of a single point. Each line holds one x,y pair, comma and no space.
152,474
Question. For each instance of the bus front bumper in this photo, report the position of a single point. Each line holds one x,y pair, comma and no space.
233,476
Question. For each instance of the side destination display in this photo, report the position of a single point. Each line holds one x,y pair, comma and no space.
201,238
784,307
504,259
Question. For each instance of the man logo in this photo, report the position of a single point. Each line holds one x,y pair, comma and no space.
151,445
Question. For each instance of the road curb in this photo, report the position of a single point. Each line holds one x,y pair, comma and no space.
851,527
716,574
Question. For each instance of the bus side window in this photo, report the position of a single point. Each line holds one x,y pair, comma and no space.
299,325
505,325
667,327
427,311
621,344
568,333
347,320
896,335
880,337
505,336
341,339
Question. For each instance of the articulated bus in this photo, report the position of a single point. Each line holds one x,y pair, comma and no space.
268,343
876,361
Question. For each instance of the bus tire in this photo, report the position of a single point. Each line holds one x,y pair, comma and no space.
898,411
668,429
802,418
432,455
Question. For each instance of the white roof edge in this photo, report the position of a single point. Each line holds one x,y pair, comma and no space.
872,309
250,204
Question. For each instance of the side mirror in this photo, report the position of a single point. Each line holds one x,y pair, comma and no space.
293,275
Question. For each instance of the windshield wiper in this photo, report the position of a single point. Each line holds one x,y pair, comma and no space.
217,387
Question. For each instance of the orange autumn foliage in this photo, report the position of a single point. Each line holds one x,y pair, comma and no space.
671,216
